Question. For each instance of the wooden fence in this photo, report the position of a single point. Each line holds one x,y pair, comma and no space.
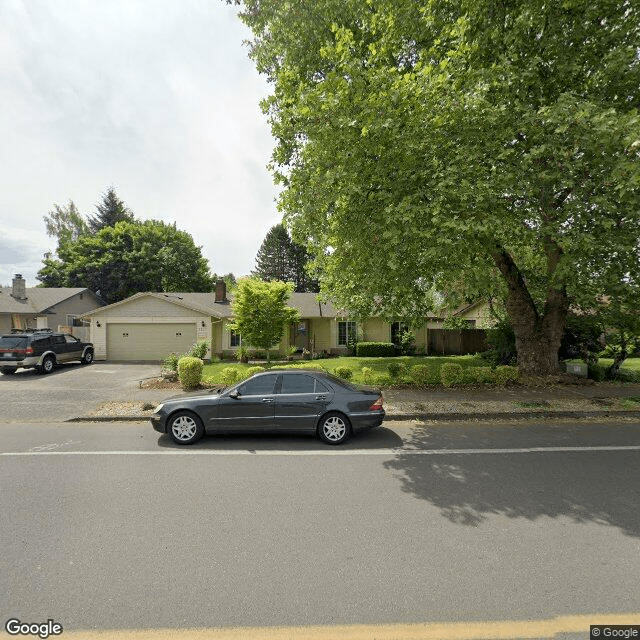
454,342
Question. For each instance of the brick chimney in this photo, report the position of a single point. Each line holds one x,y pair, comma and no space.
19,289
221,291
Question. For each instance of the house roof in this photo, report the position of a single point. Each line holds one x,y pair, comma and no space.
306,303
38,299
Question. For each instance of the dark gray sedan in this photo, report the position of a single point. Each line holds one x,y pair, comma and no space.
288,401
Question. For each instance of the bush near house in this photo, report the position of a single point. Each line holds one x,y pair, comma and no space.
190,372
450,374
375,349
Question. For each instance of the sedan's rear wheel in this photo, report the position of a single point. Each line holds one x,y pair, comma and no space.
334,428
185,427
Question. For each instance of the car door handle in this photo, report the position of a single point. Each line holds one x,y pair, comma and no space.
267,399
321,397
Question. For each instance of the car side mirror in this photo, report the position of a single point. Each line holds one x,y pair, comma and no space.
234,394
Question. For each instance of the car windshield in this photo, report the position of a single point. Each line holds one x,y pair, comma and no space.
13,342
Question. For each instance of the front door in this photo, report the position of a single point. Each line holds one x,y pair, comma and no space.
252,410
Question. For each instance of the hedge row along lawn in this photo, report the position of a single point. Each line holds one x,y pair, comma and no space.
379,374
214,372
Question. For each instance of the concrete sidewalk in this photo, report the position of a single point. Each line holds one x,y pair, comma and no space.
514,402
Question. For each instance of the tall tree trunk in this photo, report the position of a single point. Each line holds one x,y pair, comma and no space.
537,336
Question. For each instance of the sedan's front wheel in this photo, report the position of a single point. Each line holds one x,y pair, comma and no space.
185,427
334,428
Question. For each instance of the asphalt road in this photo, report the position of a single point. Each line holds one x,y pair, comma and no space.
111,526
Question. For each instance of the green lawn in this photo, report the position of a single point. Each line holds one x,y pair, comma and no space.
378,365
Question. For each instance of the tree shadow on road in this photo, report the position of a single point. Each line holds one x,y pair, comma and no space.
598,486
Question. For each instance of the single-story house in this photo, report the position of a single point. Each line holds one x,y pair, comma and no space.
23,307
149,326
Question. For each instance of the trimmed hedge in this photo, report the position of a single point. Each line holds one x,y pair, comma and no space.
230,375
344,372
394,369
251,370
190,372
423,374
479,374
451,373
375,349
367,375
506,373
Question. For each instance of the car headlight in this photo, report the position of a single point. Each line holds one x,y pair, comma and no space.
157,409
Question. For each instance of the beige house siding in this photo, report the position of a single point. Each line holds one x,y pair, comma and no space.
75,306
376,330
481,314
5,323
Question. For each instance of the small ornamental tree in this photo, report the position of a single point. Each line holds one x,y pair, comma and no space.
261,312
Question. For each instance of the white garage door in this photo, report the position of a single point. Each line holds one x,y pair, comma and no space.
148,341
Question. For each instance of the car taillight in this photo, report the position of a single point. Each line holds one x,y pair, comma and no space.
377,405
28,351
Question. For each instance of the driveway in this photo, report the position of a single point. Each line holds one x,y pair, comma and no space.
71,390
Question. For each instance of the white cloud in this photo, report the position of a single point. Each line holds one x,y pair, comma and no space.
154,97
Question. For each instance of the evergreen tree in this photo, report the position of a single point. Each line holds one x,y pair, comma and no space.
110,211
279,258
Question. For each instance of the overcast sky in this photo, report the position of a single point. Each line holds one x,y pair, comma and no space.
154,97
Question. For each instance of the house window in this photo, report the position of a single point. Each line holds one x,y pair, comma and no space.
397,329
235,339
346,332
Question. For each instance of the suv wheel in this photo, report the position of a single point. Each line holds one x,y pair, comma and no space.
87,358
48,364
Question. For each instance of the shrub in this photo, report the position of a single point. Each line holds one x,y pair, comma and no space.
344,372
375,349
394,369
242,354
229,375
478,374
199,349
502,340
190,372
424,374
251,370
506,373
407,342
170,363
451,373
367,375
596,372
299,365
209,382
383,380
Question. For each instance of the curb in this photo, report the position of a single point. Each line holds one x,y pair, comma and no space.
444,417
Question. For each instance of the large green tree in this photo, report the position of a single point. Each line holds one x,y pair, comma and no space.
65,223
472,141
110,210
260,312
279,258
128,258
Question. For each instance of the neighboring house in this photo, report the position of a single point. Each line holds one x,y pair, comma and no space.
149,326
43,307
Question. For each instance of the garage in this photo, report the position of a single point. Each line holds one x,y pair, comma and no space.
148,341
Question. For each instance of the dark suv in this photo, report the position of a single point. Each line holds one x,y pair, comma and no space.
41,349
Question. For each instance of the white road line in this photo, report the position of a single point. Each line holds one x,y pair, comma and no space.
346,452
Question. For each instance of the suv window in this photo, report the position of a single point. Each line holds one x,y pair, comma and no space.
41,343
69,338
57,339
13,342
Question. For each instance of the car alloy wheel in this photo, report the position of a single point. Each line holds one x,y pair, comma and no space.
87,358
334,428
47,364
185,427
